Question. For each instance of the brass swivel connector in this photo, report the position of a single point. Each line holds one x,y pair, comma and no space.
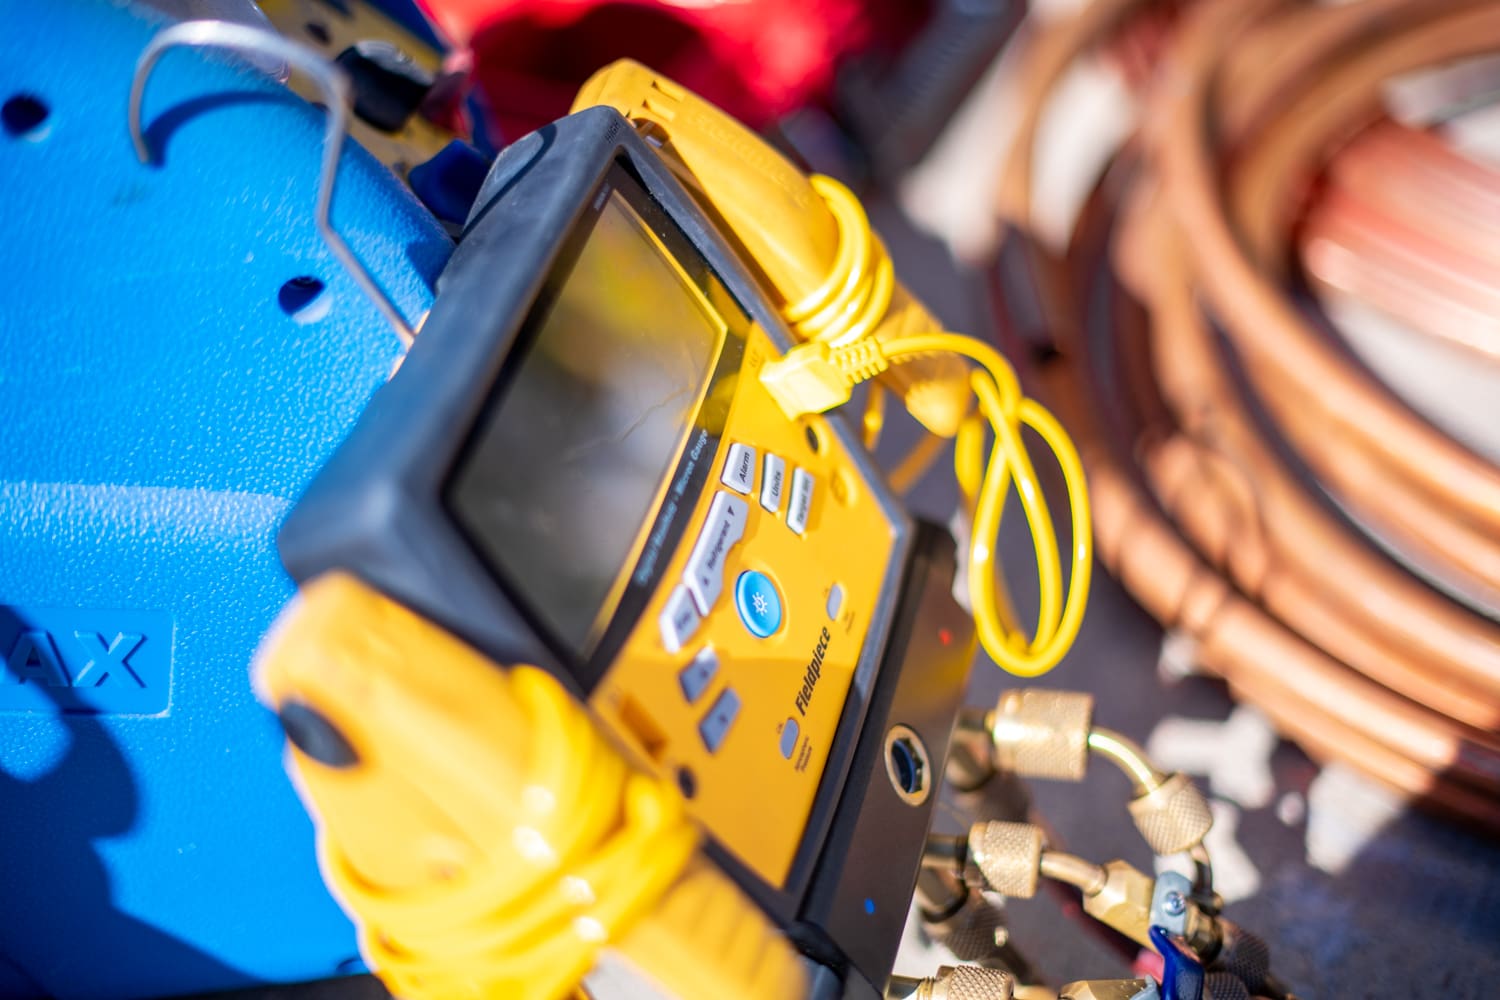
1042,734
1110,989
1005,857
1011,859
1038,733
963,982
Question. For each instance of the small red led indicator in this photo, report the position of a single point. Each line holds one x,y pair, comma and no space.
944,636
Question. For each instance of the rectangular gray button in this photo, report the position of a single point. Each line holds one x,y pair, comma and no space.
739,468
696,676
799,504
715,725
704,574
679,620
772,479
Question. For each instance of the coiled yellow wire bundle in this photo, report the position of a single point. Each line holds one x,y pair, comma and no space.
594,846
850,340
489,840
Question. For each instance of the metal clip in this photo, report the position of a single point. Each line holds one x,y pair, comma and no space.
335,87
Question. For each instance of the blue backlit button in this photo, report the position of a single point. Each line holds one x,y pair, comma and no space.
739,468
799,504
679,620
715,725
696,676
758,603
789,733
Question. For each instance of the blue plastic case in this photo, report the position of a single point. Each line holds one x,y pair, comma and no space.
161,409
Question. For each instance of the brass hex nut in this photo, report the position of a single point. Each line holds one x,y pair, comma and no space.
1124,903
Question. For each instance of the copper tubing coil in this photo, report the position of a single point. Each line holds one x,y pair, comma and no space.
1433,498
1412,227
1346,651
1435,501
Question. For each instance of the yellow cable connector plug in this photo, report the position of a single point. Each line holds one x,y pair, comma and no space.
815,378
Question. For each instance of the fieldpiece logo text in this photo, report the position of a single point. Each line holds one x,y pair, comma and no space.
79,660
814,671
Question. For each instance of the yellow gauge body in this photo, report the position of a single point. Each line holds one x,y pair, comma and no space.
756,788
776,661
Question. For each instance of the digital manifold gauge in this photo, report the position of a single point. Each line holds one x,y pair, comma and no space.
576,467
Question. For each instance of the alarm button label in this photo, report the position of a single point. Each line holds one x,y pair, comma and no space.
739,468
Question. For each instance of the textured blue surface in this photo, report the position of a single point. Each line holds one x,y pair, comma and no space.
160,412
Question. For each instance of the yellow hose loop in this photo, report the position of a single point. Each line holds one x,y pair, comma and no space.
1007,410
595,846
844,310
848,304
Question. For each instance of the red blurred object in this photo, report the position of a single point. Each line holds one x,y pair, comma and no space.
757,59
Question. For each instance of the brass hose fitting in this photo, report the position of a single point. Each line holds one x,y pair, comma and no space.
1109,989
1173,816
1168,809
1086,876
971,761
1042,734
1123,902
1128,756
1039,733
963,982
1007,857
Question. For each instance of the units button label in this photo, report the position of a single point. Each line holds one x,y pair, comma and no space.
772,482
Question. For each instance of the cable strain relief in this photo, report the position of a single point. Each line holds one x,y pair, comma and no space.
861,360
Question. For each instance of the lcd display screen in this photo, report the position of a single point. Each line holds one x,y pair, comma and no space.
565,471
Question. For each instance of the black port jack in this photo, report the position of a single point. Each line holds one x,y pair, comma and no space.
907,765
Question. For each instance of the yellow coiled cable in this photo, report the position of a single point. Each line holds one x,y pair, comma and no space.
596,846
838,320
487,837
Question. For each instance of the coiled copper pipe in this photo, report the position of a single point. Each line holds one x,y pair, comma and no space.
1199,510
